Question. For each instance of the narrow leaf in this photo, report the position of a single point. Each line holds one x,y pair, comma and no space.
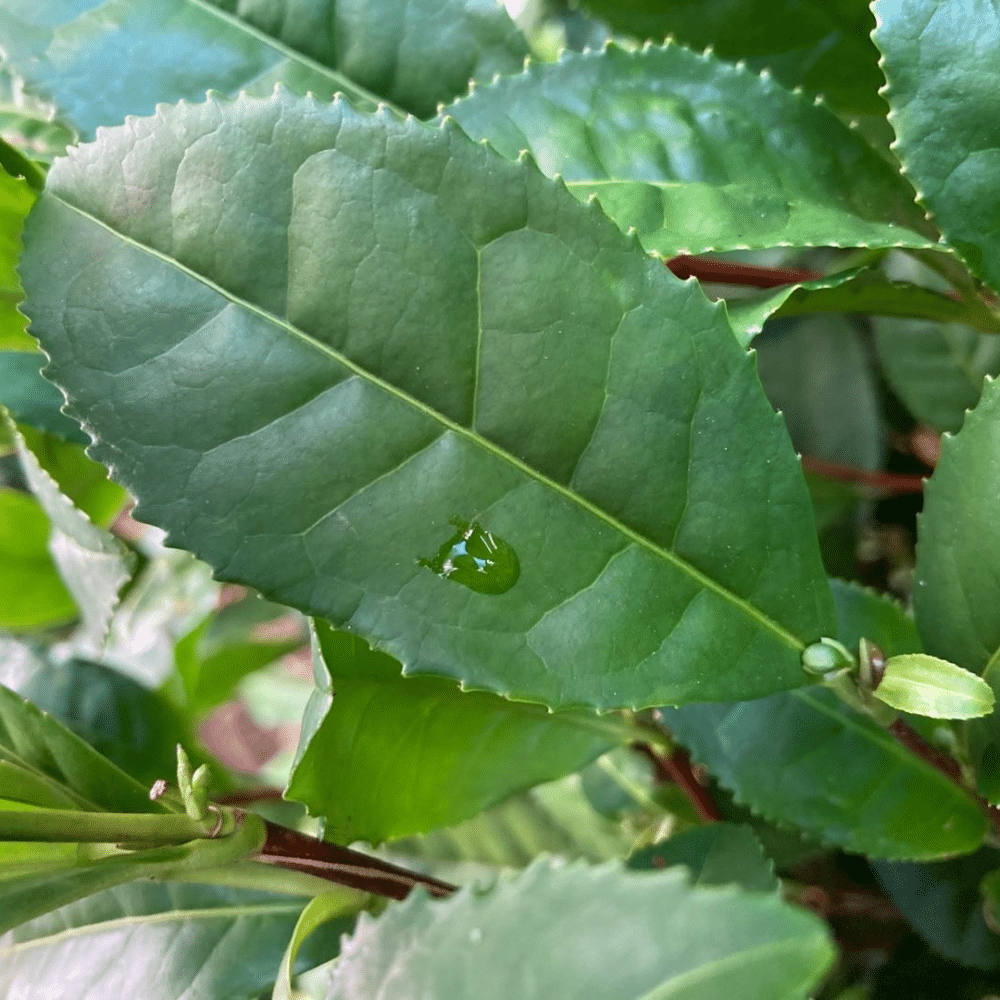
928,685
565,933
158,942
506,360
696,154
413,754
16,198
936,56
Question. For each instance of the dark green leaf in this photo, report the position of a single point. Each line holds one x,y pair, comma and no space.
483,386
32,399
32,594
863,614
717,854
413,754
696,154
822,46
938,57
565,933
159,942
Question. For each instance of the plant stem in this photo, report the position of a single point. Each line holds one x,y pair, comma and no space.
677,768
290,849
892,482
726,272
74,826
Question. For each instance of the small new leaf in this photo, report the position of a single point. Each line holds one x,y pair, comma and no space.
926,685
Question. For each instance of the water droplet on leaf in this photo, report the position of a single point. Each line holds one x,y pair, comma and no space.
477,559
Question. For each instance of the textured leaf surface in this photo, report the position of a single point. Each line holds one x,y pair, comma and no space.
32,399
415,53
16,197
716,854
158,942
956,596
940,57
807,760
571,932
927,685
696,154
824,47
35,740
32,594
99,62
382,756
319,390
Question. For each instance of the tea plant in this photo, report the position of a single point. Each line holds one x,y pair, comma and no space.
572,410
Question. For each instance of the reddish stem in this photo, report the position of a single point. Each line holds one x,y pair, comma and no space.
290,849
677,768
893,482
724,272
249,796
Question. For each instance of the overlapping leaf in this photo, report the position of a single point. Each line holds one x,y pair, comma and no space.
696,154
824,47
98,63
939,58
560,934
33,400
407,755
16,198
415,330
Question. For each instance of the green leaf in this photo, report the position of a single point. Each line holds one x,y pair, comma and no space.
413,754
928,685
956,593
32,594
32,399
821,46
936,55
484,387
574,931
864,614
133,727
33,740
415,53
27,122
696,154
92,562
160,942
717,854
942,902
16,198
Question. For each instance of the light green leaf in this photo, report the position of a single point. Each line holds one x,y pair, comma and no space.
92,562
33,740
696,154
716,854
928,685
32,399
821,46
32,594
158,942
413,754
939,57
16,198
565,933
543,378
956,594
415,53
28,123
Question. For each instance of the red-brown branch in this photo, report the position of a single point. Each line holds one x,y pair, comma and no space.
724,272
677,769
892,482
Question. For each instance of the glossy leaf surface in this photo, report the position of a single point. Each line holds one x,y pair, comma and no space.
345,376
939,58
821,46
158,942
545,935
407,755
696,154
807,760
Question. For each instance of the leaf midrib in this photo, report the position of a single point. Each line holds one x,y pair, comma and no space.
706,582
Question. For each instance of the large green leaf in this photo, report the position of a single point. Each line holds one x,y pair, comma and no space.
32,594
33,740
561,934
16,197
417,330
99,62
696,154
32,399
413,754
816,44
807,760
940,57
415,53
159,942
